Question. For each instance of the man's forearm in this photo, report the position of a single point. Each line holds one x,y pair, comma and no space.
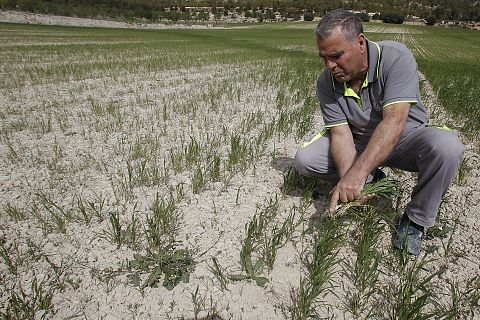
381,144
344,154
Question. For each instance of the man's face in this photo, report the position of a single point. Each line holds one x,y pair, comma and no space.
345,59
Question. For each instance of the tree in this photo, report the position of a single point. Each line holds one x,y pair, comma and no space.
393,17
430,20
308,16
363,16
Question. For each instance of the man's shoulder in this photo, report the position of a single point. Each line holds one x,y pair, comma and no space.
325,77
325,85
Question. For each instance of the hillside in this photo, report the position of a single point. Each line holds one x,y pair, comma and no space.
174,10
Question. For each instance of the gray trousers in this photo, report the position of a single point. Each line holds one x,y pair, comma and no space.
435,153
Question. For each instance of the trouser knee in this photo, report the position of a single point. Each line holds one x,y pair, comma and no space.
302,162
448,150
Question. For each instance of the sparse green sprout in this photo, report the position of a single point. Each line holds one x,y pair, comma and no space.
465,168
51,215
115,233
13,212
219,273
7,259
319,262
35,303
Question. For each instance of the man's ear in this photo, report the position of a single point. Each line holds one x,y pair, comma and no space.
362,42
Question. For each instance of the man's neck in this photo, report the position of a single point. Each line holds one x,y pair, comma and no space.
356,84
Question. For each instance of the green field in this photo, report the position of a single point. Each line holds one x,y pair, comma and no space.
149,174
450,58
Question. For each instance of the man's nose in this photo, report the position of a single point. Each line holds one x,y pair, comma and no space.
330,64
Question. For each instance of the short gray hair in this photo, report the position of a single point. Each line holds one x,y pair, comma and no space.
349,23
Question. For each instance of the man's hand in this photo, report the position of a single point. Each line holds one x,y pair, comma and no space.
349,188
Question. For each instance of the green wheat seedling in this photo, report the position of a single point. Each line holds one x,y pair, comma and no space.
463,304
13,212
238,152
465,168
385,188
199,180
107,276
85,214
319,262
176,160
219,274
42,126
192,153
198,303
61,278
8,259
364,271
56,216
148,173
251,257
12,155
90,209
414,292
214,167
123,186
35,303
292,180
279,236
163,222
115,234
473,296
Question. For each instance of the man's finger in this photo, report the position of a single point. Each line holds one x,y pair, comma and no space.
333,201
366,198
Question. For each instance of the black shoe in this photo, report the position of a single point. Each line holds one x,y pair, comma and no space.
378,175
409,236
321,191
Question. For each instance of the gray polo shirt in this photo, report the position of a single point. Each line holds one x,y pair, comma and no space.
392,77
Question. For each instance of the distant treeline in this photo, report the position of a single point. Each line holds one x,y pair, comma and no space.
155,10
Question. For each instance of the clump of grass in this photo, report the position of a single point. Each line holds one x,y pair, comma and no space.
255,233
173,265
87,209
8,259
364,271
264,236
293,180
55,217
219,273
13,212
162,259
319,262
34,304
120,233
415,290
465,168
163,222
385,188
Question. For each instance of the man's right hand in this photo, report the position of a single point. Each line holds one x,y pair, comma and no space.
349,188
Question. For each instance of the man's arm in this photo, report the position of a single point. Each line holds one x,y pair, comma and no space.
381,144
342,148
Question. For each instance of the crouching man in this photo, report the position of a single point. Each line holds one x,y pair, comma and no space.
374,116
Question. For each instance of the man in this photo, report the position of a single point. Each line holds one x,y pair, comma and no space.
374,116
